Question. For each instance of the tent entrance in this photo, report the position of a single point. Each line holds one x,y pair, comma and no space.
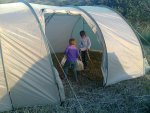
59,28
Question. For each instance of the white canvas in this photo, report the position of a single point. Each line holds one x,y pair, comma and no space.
31,77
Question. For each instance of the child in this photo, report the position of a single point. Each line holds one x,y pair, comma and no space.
72,55
85,45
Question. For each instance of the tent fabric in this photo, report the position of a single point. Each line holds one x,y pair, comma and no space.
55,33
123,47
94,32
28,70
32,78
115,32
5,103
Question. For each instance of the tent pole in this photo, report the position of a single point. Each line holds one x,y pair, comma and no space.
83,23
98,34
1,52
46,43
136,33
47,20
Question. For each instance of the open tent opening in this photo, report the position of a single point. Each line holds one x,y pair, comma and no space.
59,28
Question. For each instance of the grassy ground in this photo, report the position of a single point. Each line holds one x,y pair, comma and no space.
131,96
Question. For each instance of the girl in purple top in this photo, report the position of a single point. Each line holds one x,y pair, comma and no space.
72,55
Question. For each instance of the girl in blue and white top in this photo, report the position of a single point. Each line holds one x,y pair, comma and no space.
72,54
85,45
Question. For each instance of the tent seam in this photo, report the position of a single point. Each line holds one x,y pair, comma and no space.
49,18
45,40
104,45
8,90
142,48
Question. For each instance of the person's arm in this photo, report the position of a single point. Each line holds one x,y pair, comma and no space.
89,43
66,52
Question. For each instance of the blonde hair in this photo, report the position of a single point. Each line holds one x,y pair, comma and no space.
72,41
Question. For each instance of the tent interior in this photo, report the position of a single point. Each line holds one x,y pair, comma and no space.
59,28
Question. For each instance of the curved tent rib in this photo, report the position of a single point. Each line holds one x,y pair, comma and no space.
117,32
142,48
123,56
27,68
47,46
3,78
94,26
131,28
94,18
99,34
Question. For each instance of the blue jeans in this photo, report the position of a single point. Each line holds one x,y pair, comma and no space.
73,66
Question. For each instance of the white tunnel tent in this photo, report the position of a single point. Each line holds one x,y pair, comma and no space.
27,33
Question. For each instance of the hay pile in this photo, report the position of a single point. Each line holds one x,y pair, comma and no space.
93,73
